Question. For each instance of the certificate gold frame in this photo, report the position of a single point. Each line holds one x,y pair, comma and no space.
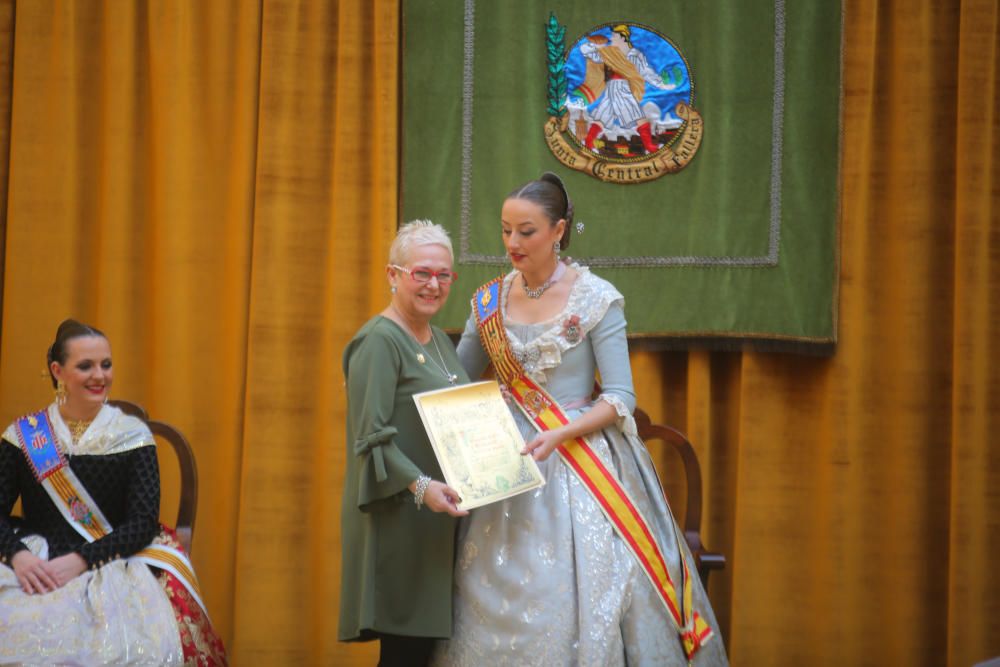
477,443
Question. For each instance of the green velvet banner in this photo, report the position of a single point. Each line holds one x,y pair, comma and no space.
699,142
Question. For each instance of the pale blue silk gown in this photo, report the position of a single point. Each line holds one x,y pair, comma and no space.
542,578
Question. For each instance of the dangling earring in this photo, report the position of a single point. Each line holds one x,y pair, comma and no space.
60,393
556,247
392,289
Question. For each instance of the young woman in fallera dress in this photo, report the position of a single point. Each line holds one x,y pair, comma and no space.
543,578
88,576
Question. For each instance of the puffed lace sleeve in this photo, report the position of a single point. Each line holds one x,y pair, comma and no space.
470,351
611,353
372,364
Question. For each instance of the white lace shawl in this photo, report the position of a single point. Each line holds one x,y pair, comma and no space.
111,432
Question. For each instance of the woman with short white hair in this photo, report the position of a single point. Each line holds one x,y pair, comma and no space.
396,583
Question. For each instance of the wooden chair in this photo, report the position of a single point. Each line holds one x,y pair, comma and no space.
188,505
705,560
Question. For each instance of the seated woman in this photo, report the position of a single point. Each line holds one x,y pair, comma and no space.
590,569
88,576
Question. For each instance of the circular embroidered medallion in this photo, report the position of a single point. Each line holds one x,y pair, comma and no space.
534,403
79,510
620,103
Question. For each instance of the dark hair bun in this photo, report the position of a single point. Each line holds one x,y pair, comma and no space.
549,192
549,177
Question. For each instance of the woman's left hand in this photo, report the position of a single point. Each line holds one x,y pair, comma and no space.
65,568
544,444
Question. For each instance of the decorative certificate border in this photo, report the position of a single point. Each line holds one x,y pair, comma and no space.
458,420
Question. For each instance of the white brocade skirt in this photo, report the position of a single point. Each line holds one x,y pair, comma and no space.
117,614
543,579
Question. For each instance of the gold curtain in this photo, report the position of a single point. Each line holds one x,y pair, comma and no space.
215,184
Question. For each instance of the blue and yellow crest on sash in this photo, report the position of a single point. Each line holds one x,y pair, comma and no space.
487,299
39,443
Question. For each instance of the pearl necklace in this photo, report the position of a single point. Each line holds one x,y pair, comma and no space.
537,292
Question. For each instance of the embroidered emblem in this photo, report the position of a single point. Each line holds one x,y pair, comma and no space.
620,103
485,298
38,440
571,330
79,511
534,403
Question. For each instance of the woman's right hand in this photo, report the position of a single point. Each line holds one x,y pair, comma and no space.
31,573
440,497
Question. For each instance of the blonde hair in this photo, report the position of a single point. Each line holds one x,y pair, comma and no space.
417,233
623,30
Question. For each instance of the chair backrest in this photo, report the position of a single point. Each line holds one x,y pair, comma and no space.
705,560
188,504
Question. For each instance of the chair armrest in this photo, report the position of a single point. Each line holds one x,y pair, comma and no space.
705,560
188,505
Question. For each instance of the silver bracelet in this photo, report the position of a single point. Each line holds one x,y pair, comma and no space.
420,489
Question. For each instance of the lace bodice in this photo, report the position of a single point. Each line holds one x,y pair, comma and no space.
539,347
565,353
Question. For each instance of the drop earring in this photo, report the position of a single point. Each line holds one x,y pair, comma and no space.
392,289
60,393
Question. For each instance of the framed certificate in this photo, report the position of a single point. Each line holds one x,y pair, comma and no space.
477,443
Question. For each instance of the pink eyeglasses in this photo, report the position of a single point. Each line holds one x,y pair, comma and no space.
422,274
